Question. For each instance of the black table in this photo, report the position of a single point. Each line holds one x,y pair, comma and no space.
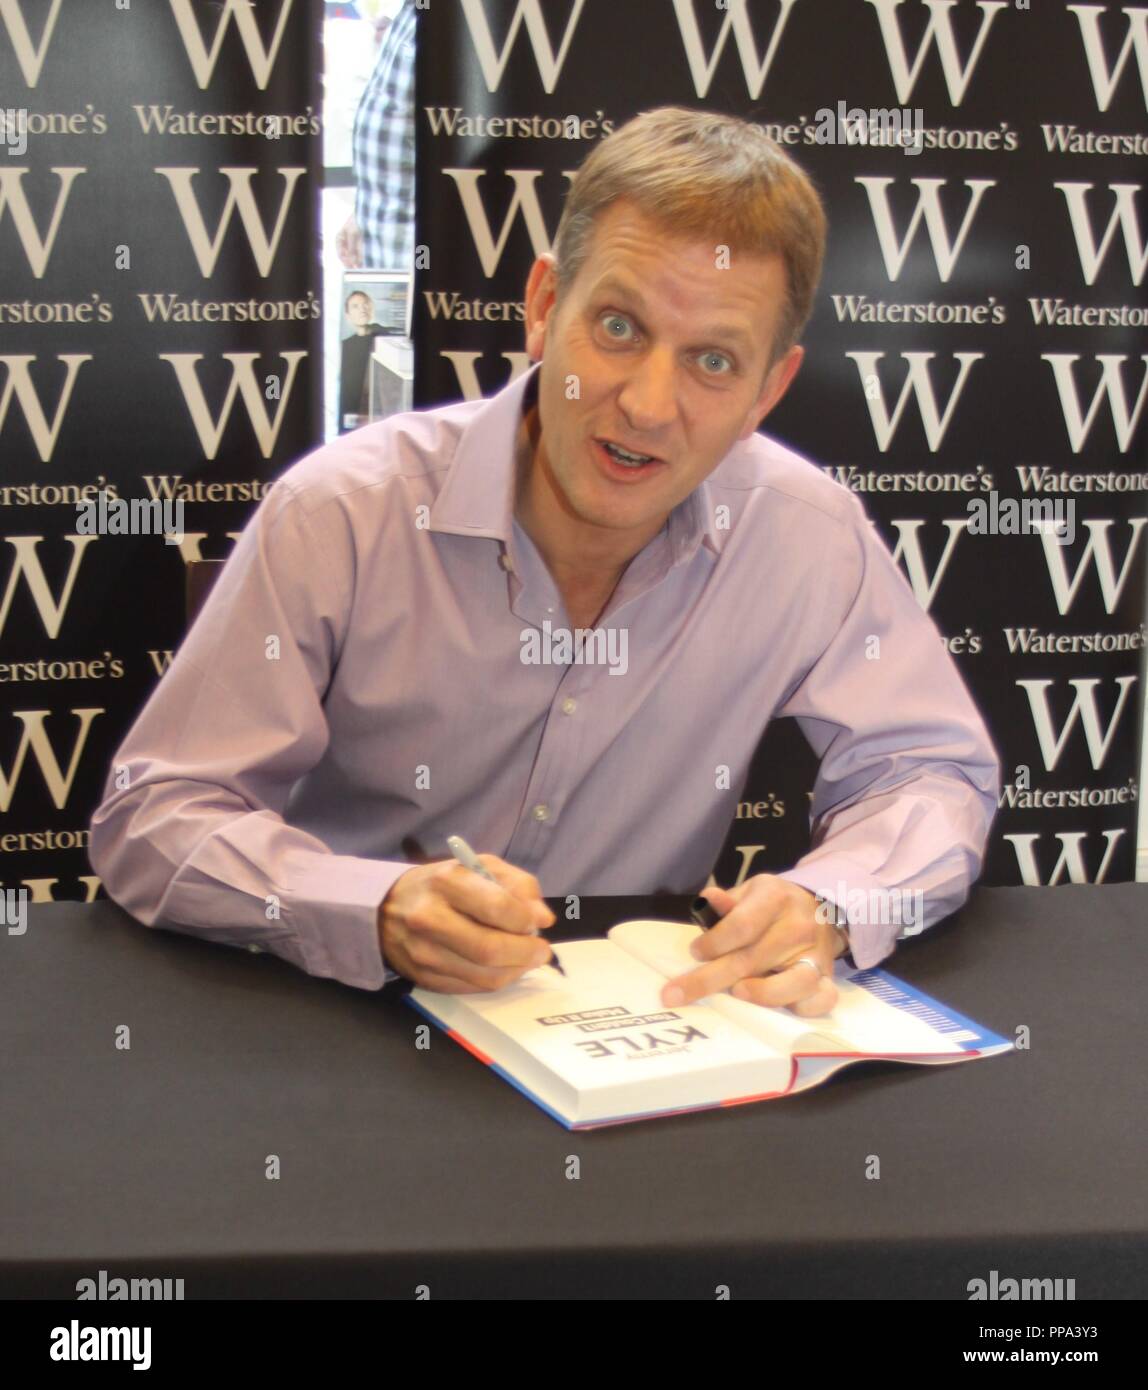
402,1167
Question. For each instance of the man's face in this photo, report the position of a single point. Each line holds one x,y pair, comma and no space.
360,310
657,349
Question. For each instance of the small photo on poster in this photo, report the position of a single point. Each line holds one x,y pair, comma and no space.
376,305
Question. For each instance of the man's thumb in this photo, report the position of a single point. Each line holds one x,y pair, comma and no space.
720,899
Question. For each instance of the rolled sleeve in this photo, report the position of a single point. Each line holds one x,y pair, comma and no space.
190,835
909,779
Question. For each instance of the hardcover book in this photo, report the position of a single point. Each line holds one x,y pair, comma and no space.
597,1047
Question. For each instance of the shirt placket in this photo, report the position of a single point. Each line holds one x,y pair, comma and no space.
579,694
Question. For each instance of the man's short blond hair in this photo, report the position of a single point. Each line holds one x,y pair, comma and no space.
704,176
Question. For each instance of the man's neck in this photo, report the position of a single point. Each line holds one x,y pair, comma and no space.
577,554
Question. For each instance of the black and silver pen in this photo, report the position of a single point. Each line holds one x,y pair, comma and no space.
703,913
467,857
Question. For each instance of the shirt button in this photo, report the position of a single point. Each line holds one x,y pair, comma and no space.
256,950
507,563
541,812
569,706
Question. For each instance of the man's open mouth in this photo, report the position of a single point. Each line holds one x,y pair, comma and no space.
627,458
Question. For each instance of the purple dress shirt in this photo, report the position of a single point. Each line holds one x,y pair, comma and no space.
357,687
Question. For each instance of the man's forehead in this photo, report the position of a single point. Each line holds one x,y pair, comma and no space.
623,226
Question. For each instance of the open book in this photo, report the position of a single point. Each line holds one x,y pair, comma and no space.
597,1047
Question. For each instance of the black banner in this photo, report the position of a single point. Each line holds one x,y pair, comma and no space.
159,320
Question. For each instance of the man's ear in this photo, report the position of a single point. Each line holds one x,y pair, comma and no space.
541,290
777,382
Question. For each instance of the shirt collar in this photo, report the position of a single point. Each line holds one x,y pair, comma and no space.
477,498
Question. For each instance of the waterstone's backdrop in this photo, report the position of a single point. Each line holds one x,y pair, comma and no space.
979,336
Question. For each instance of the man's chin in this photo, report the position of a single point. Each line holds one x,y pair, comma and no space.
613,516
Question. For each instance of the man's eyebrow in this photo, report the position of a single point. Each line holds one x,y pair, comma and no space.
718,332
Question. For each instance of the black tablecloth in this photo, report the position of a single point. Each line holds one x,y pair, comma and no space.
402,1167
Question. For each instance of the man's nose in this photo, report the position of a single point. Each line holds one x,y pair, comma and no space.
647,399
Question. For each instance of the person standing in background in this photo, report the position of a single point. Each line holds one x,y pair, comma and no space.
380,234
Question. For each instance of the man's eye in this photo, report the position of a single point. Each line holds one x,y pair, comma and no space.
608,320
716,357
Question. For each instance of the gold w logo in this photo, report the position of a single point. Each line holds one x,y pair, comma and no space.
31,59
27,566
203,60
35,736
37,248
20,385
243,382
241,196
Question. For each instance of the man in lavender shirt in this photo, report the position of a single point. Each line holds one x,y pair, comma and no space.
397,649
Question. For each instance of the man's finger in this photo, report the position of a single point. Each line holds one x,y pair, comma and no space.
445,984
744,924
448,984
482,956
724,900
797,985
761,948
822,1002
491,903
522,884
717,975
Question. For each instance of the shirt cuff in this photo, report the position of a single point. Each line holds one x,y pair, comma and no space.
851,890
332,902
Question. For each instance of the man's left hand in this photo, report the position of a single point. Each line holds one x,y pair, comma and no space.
767,925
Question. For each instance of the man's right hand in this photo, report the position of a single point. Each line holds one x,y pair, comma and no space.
446,928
